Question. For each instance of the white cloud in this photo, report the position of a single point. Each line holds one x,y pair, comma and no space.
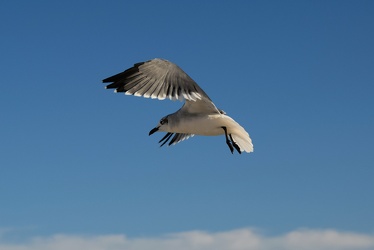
241,239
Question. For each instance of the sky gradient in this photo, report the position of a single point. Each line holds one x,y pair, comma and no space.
77,161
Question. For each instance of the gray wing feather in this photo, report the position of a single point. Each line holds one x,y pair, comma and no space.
157,78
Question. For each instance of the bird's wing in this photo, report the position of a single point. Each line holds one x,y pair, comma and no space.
203,106
178,137
157,78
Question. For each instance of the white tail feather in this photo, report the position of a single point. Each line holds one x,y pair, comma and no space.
240,136
244,143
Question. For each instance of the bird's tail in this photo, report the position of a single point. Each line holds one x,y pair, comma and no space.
244,142
240,136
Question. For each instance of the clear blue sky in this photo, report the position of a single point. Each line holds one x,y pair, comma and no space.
76,159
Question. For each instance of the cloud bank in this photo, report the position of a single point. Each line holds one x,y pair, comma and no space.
241,239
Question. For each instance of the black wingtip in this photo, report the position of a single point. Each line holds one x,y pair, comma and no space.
166,138
124,74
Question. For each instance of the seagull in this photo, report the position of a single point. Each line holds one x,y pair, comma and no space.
161,79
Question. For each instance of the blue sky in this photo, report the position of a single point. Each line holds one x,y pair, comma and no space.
77,160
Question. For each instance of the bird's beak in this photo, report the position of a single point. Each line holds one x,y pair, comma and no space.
153,130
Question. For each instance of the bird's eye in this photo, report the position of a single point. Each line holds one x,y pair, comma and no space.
163,121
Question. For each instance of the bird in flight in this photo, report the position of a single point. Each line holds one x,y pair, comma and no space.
161,79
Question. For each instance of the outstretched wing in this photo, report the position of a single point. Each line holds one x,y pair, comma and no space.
157,78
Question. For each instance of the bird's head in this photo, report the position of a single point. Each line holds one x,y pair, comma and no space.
163,125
